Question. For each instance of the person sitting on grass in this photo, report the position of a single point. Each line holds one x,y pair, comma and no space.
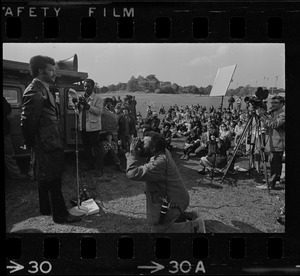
216,157
110,151
193,142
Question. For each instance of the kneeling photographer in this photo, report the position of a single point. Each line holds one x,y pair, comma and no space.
274,123
166,195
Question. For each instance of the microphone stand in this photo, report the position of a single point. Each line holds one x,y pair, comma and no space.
77,210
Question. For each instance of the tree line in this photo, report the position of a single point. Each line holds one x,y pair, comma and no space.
150,84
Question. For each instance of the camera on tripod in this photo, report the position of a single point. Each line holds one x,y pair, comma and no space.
257,100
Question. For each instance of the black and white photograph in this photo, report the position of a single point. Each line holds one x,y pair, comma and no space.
144,138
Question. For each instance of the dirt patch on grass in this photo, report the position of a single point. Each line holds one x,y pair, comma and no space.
231,206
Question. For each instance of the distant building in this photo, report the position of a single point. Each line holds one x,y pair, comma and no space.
276,91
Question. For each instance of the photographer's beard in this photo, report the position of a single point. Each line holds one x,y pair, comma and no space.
146,152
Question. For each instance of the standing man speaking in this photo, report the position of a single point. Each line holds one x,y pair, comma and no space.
41,131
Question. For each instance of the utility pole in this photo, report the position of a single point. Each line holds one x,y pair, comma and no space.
276,80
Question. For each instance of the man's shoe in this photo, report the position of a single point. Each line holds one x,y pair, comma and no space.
203,172
186,157
67,219
262,187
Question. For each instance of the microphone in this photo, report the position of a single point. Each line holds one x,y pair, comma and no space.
73,94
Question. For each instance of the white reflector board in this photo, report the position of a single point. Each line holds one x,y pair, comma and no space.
222,80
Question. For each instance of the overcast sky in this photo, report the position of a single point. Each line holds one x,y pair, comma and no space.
184,64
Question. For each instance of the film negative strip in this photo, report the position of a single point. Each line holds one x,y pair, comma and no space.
242,234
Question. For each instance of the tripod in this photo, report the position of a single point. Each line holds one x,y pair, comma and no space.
253,121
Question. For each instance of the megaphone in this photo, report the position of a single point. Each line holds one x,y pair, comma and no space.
70,64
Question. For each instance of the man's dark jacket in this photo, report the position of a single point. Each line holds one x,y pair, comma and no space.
41,131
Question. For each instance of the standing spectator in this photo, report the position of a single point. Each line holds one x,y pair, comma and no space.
132,106
167,134
231,100
9,153
149,111
41,131
90,109
239,103
164,183
246,99
126,126
275,138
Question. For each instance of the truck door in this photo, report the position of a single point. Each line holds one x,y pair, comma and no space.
13,94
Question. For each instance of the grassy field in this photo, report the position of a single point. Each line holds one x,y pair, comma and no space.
156,100
234,206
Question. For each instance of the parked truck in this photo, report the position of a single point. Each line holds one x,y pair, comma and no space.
16,77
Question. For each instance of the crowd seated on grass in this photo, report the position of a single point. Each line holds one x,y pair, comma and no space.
195,123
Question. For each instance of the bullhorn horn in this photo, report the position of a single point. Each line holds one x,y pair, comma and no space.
70,64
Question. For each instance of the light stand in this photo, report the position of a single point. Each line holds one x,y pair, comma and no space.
78,210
